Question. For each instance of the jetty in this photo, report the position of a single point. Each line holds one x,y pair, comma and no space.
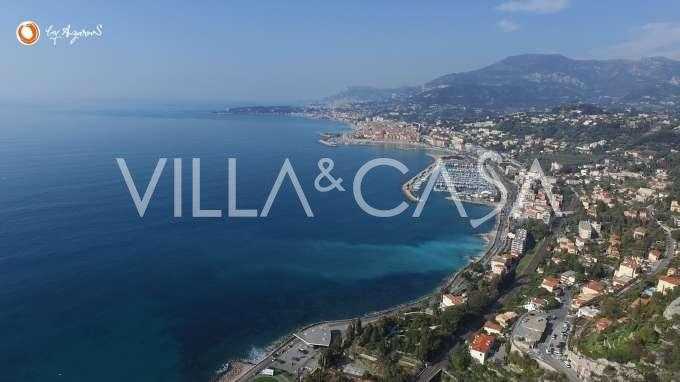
412,186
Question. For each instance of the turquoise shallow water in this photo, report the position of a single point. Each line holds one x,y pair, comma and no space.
91,291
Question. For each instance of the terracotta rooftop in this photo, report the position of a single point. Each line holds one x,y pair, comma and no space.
493,326
639,301
595,285
632,263
551,282
603,324
482,343
455,299
538,301
671,280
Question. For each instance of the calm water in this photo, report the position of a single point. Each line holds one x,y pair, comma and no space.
91,291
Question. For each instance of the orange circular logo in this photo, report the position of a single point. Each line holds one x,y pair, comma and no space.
28,32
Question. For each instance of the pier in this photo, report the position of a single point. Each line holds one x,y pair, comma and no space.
412,186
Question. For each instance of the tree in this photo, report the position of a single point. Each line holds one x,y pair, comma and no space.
460,359
450,318
331,356
429,345
610,307
598,271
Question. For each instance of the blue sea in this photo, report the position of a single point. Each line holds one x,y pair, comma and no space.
91,291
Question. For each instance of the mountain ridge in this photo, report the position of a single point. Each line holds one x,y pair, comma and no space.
536,80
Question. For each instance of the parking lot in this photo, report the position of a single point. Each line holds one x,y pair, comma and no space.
297,356
552,348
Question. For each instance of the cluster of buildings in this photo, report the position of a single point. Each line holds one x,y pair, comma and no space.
483,343
625,184
444,138
502,264
385,130
536,204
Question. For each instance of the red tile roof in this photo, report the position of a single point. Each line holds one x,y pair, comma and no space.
455,299
596,286
603,324
671,280
551,282
482,343
538,301
493,326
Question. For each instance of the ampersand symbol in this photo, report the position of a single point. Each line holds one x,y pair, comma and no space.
326,166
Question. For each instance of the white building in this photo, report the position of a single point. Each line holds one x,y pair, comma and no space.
481,347
519,242
585,229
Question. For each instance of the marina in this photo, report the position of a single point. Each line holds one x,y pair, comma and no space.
459,176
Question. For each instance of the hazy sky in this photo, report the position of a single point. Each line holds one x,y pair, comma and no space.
260,50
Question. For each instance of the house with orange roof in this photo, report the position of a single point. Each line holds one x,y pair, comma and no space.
567,245
640,301
642,215
449,300
603,324
534,303
630,214
481,346
493,328
588,293
593,287
506,319
667,284
629,267
550,283
581,299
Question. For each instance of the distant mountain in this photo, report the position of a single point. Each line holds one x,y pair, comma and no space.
545,80
366,94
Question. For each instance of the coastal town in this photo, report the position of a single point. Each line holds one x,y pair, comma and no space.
578,284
